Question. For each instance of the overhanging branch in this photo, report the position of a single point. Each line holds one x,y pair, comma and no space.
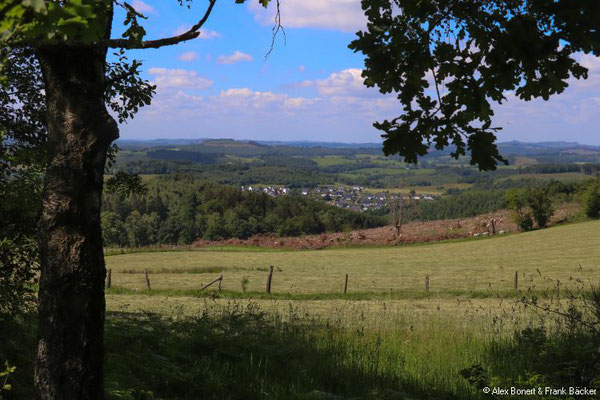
192,33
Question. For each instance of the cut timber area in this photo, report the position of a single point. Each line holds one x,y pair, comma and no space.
410,233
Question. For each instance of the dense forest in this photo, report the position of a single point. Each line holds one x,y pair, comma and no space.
179,209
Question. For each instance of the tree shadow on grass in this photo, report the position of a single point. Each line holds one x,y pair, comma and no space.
237,352
533,358
244,353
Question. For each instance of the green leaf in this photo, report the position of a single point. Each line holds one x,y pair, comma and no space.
38,6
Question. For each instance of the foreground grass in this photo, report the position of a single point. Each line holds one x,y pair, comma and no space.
386,339
487,265
217,349
250,350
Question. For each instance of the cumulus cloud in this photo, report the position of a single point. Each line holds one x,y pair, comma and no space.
251,114
188,56
165,78
336,110
249,99
204,33
337,106
342,15
346,83
142,7
209,34
236,57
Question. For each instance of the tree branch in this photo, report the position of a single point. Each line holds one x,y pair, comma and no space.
278,27
192,33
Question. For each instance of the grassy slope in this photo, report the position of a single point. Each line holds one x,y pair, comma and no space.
336,349
472,265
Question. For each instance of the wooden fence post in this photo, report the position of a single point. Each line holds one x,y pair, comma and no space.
219,279
109,279
269,279
147,279
346,284
516,280
427,283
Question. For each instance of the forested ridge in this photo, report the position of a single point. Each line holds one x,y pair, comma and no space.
179,209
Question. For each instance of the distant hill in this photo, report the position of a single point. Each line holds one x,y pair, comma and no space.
333,145
520,153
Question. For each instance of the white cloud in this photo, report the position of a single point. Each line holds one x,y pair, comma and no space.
301,68
166,78
345,83
343,15
142,7
249,99
204,33
188,56
209,34
339,107
237,56
246,113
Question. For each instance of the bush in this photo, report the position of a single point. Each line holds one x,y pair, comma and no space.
533,204
591,200
4,375
18,263
559,348
524,221
516,200
540,204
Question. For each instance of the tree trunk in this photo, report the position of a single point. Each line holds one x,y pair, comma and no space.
70,350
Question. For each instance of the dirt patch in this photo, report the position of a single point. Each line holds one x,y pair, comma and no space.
414,232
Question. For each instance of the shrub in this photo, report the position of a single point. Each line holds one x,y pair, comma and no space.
516,200
540,204
533,204
18,264
4,375
591,200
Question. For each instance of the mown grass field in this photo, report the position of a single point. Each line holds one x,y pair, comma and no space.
386,339
482,267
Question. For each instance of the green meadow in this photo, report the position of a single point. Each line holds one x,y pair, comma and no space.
483,266
386,338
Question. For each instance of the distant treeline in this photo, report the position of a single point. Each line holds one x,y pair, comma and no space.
468,203
182,155
462,205
179,209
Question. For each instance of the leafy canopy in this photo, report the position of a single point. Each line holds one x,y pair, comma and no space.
449,60
43,22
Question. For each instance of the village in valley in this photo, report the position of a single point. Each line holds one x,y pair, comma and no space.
355,198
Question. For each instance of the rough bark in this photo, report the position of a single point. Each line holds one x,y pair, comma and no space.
70,352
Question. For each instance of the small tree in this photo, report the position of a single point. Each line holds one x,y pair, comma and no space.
540,204
515,199
531,205
591,200
398,214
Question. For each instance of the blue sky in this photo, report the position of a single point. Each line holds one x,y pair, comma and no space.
221,86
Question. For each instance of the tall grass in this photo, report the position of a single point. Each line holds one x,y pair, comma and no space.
243,350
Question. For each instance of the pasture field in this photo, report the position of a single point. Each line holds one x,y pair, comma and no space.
473,268
563,177
386,339
433,190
